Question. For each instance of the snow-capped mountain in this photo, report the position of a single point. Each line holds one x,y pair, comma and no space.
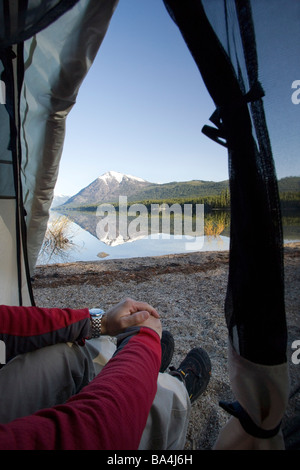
107,188
111,175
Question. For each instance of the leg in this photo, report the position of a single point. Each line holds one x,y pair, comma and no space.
169,416
47,377
51,375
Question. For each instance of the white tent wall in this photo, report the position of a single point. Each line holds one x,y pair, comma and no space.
56,61
9,284
14,288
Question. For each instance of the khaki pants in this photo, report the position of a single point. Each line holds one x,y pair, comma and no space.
49,376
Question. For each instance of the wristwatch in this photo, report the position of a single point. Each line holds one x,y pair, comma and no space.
96,317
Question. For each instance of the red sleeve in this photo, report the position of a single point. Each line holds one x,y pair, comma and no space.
110,413
24,329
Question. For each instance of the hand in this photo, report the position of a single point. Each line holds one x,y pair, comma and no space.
153,323
128,313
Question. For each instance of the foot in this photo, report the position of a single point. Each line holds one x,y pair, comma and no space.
195,372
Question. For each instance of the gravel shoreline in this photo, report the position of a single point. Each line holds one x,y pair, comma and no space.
189,292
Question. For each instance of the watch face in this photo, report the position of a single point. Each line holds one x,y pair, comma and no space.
96,312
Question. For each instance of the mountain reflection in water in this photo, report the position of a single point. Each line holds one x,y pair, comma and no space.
83,244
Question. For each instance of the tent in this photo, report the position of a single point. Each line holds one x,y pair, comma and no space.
46,49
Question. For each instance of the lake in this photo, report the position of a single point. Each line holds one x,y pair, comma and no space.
79,241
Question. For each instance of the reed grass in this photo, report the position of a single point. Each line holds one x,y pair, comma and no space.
58,239
214,226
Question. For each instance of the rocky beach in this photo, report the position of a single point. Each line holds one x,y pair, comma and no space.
189,292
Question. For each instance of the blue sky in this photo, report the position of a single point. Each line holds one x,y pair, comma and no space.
142,106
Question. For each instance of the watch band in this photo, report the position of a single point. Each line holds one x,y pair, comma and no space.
96,319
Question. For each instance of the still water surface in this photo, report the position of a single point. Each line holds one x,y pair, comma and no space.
84,245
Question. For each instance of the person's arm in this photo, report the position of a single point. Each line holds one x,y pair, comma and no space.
24,329
109,413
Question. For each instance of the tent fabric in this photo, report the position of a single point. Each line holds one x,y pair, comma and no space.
262,391
13,280
254,307
21,19
46,49
17,287
256,265
55,62
58,59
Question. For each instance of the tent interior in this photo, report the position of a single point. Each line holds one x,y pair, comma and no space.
246,53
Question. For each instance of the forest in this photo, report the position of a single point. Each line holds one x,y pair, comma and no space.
290,200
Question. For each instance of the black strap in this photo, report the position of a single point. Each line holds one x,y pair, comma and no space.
218,134
236,410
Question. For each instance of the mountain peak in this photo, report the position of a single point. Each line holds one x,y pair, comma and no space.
107,188
107,177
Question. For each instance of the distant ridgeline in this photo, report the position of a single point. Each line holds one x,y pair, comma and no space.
214,195
289,192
